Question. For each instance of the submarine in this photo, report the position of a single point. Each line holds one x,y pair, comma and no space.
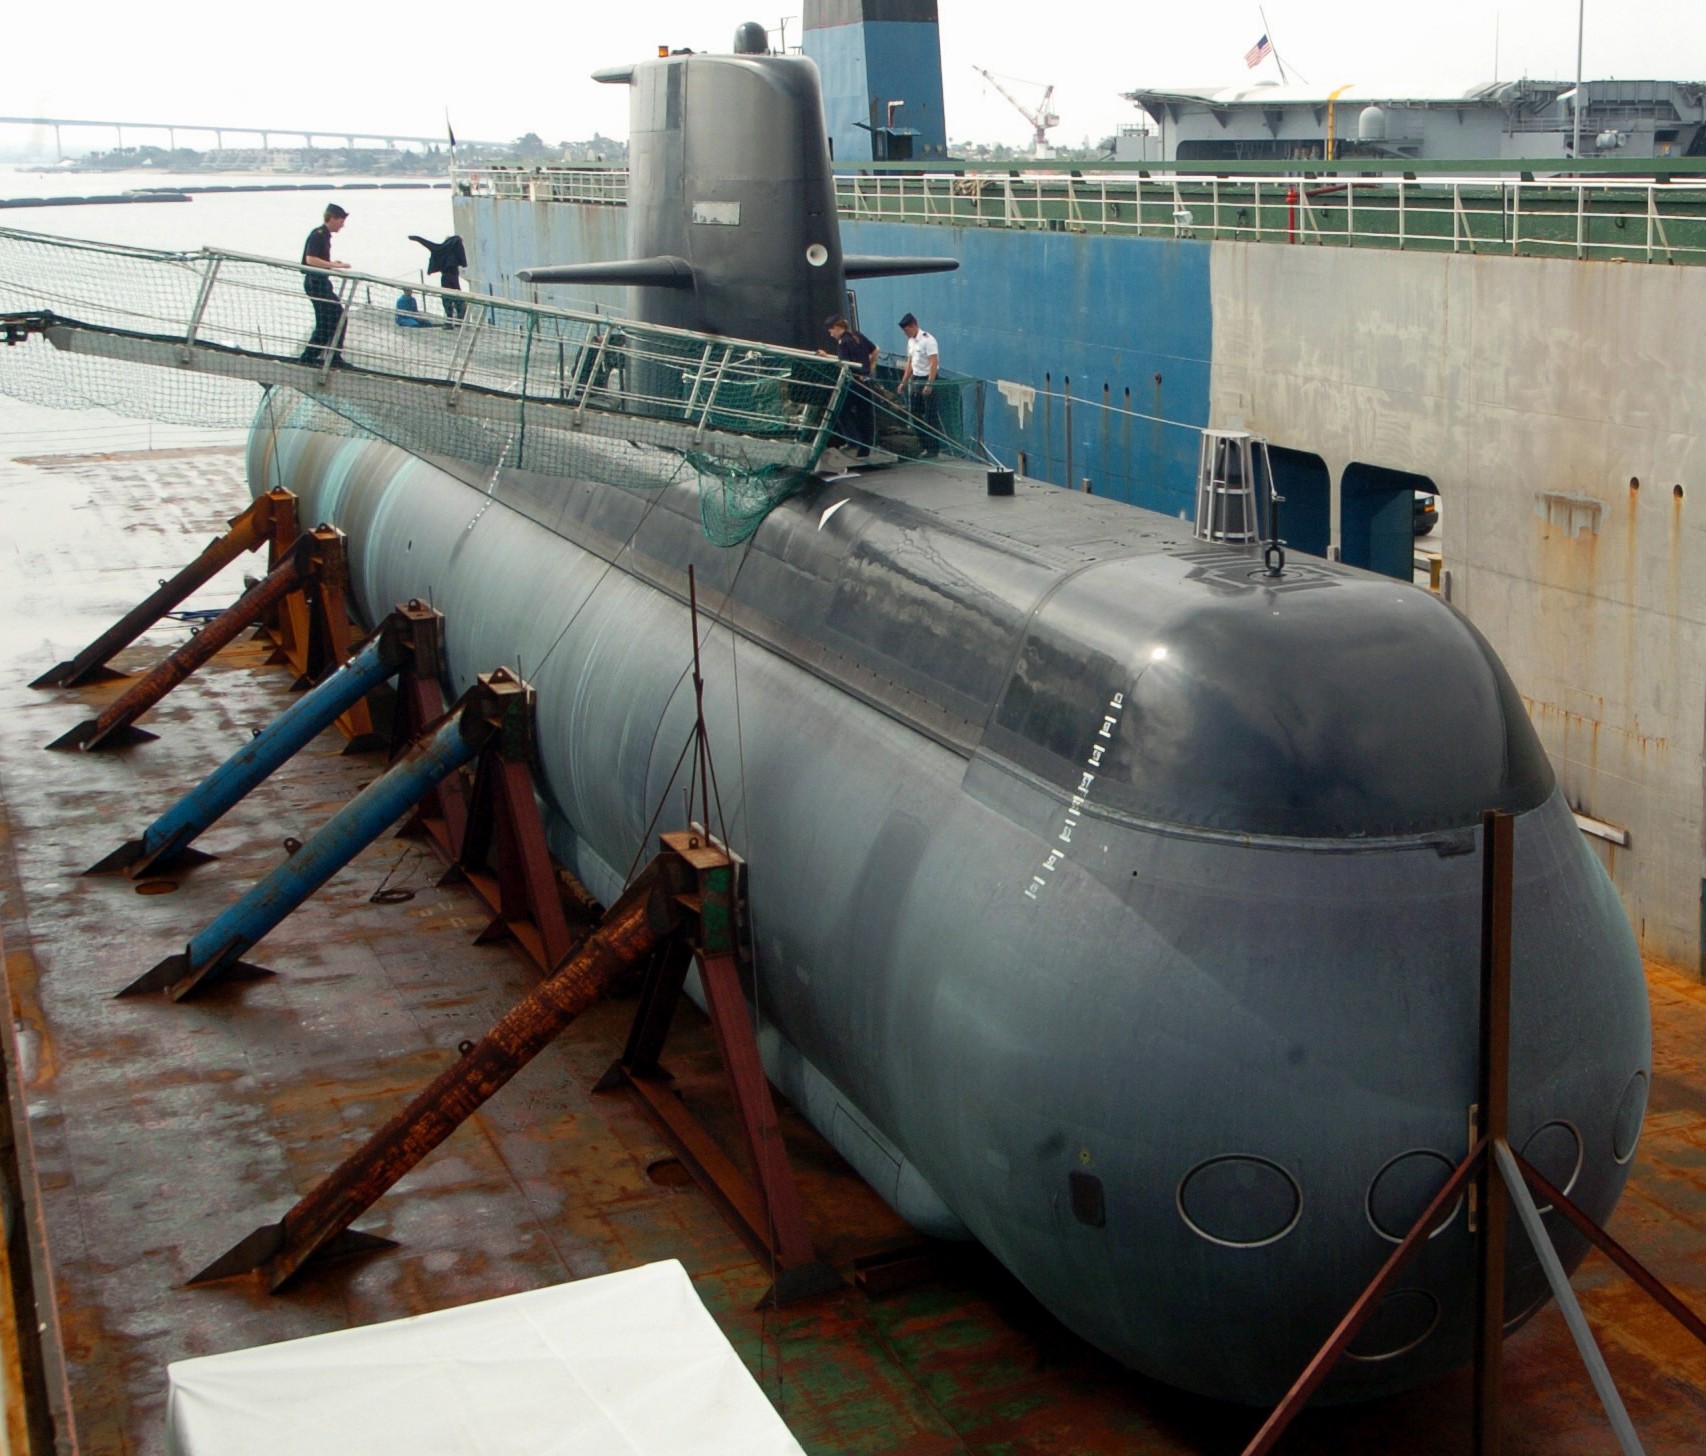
1113,902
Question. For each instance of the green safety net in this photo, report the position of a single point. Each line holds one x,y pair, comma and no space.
192,338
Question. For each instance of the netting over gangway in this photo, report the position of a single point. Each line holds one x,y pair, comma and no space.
186,338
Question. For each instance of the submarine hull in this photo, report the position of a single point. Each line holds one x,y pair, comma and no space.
1186,1054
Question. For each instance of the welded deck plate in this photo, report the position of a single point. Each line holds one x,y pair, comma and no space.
151,1135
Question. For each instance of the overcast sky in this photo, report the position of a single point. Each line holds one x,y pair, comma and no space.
511,66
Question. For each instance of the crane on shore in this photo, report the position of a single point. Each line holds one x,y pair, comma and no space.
1040,117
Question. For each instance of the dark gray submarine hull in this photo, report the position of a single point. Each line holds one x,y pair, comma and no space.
1110,904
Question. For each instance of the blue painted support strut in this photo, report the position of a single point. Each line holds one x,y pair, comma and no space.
173,832
219,948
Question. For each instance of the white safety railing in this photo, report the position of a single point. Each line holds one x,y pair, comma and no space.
1640,220
368,341
1634,219
602,186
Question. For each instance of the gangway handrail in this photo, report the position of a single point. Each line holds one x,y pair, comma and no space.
551,391
473,300
190,257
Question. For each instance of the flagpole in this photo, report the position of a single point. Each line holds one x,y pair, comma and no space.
1268,31
1576,143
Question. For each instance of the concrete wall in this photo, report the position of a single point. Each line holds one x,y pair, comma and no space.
1532,392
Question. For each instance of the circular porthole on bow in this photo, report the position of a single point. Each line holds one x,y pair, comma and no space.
1626,1126
1402,1190
1240,1202
1399,1323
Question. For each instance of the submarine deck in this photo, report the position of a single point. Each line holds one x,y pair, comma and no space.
148,1137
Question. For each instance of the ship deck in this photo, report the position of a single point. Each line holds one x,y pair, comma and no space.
149,1137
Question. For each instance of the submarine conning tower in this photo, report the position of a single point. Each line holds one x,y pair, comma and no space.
729,176
732,228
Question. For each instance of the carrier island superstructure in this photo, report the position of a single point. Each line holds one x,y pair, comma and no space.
1521,341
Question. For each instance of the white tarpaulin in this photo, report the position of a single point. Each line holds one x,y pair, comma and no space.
625,1363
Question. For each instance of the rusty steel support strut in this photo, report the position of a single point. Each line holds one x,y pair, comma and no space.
115,725
1493,1175
319,1223
248,531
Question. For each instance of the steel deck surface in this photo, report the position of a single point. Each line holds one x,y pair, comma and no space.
151,1136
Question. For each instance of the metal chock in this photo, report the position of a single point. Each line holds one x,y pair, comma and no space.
268,1241
135,857
247,531
768,1214
318,1226
181,971
169,838
502,854
480,714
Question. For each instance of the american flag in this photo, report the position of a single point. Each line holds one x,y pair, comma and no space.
1258,53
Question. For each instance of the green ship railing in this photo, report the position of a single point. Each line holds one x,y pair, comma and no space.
1612,214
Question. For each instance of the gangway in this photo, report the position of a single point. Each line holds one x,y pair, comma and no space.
550,390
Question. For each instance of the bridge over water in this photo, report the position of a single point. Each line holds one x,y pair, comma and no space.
220,130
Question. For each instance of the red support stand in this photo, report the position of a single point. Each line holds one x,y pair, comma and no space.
766,1210
442,815
502,854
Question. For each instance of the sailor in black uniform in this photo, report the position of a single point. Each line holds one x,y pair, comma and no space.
316,262
447,259
858,422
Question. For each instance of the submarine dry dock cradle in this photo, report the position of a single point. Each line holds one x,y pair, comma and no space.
851,1372
1217,570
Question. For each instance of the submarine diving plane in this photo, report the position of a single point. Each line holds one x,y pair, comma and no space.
1114,903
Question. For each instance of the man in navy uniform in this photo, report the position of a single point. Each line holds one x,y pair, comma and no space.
858,422
317,262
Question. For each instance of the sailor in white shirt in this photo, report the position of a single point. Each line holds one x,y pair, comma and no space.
918,387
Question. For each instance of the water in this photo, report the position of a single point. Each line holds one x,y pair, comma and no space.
273,224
